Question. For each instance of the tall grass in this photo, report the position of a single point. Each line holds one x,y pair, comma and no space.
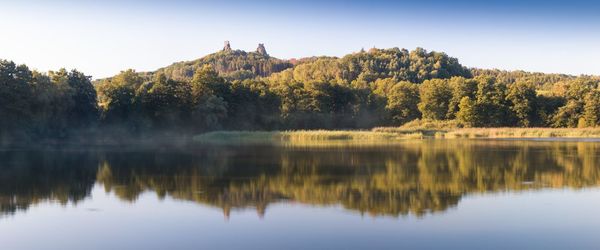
329,135
302,137
453,129
423,125
384,135
426,128
523,133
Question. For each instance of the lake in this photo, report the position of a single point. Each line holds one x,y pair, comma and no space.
446,194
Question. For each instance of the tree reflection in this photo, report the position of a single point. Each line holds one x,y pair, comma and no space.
30,177
410,178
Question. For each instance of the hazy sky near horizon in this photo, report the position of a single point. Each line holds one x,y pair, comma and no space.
102,38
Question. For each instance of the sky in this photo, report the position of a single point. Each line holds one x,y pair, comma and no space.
101,38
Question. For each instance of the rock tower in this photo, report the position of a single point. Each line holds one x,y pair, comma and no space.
261,49
227,46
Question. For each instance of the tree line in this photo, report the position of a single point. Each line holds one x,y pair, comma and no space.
53,105
379,87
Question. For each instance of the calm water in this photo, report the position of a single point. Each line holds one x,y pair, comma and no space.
418,194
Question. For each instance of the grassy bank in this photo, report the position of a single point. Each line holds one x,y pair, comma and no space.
304,137
498,133
386,135
522,133
452,129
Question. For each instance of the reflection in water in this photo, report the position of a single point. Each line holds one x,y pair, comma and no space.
411,178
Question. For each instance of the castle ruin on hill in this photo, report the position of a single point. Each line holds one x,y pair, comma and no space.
227,46
260,50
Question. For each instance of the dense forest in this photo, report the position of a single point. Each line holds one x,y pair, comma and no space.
237,90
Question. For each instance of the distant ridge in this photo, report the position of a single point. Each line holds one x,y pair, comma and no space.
414,66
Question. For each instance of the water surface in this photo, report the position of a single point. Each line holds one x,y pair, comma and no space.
448,194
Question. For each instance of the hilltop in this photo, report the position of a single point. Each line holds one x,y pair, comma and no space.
230,63
414,66
400,64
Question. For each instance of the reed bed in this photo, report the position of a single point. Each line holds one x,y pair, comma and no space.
333,135
385,135
302,137
523,133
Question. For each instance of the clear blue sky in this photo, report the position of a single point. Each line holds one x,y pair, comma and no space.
101,38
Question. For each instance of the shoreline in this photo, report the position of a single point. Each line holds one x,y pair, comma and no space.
375,136
391,135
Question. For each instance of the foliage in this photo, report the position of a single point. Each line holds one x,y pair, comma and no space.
522,97
468,113
34,105
435,99
399,64
233,64
461,87
570,115
403,99
236,90
540,80
591,109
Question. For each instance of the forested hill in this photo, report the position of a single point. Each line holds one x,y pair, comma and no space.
367,66
543,81
231,64
414,66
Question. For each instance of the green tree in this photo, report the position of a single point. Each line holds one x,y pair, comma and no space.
208,113
15,101
84,111
461,87
568,115
522,97
253,106
383,86
209,107
117,97
435,99
571,113
165,103
403,99
491,102
591,109
207,81
547,106
467,112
